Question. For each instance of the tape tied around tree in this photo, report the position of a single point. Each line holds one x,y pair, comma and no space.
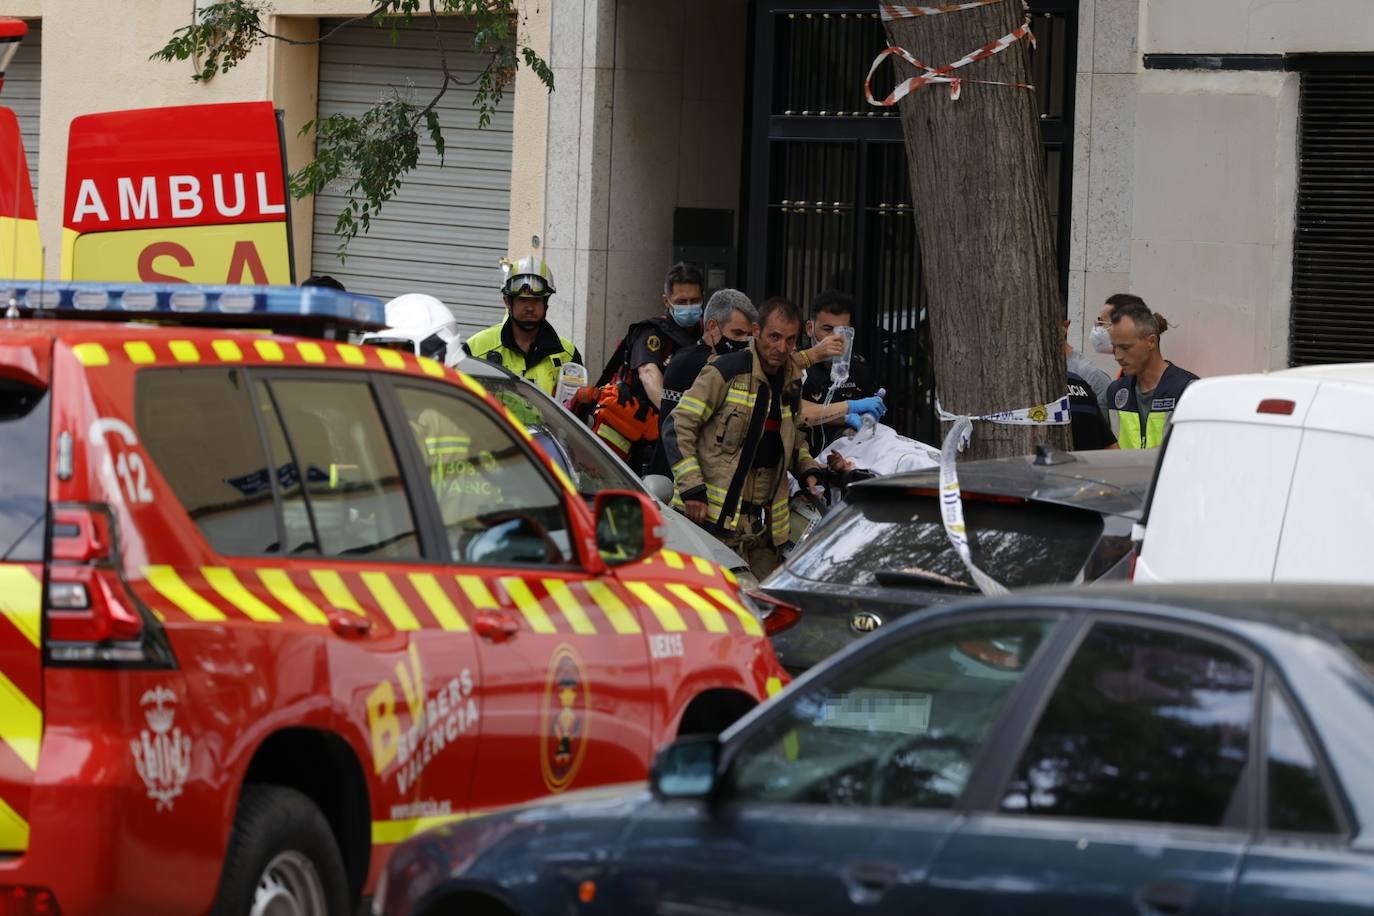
893,11
951,499
941,74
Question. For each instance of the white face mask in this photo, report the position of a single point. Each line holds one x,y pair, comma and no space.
1100,338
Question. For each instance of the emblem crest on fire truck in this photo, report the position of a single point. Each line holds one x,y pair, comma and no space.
566,719
162,754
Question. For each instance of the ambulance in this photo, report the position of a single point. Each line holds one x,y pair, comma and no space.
272,603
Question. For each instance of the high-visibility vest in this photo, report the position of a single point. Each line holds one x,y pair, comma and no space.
1132,432
487,344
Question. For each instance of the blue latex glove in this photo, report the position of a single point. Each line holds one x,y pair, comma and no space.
860,406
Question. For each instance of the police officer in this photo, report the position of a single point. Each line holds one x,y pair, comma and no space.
830,310
1143,399
734,436
727,327
525,343
651,343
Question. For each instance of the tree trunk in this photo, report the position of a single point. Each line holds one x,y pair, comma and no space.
983,221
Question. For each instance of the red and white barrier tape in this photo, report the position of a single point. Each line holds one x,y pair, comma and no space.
892,11
940,74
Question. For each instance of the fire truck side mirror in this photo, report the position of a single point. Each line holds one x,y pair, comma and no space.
629,526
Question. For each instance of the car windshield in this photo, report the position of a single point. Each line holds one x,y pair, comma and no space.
901,542
570,444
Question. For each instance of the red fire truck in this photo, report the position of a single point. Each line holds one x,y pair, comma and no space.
271,604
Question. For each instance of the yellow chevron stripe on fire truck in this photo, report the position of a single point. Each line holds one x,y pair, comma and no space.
140,352
91,354
280,586
184,351
621,618
14,830
662,608
437,600
746,619
390,600
227,350
477,592
224,581
335,592
572,610
528,605
21,600
172,587
21,722
709,614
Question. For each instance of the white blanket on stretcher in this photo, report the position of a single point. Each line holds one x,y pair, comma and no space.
883,452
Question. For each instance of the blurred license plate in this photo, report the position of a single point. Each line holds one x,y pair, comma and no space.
907,713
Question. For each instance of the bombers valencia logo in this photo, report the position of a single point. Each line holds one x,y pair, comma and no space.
565,719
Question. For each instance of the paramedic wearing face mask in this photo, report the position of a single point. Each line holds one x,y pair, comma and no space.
727,327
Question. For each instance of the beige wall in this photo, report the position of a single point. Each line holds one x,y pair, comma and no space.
1257,26
646,116
1103,163
1212,242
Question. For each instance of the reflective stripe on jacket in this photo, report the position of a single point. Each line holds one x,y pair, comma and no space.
710,439
496,344
1133,433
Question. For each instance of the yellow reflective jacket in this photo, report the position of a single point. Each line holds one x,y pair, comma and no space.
540,365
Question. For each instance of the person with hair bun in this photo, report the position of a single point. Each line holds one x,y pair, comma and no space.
1147,392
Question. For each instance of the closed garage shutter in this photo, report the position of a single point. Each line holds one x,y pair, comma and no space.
445,232
1333,256
21,94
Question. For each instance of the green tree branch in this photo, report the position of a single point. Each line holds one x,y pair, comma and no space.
372,152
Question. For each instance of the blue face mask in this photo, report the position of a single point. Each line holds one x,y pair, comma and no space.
687,316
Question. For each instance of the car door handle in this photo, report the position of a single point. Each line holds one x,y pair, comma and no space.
867,882
496,626
1166,898
350,626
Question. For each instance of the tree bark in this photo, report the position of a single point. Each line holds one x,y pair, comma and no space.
983,224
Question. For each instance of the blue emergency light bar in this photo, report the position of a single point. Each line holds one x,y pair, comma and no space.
187,303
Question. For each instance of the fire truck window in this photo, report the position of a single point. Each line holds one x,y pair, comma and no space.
344,459
497,507
198,427
300,533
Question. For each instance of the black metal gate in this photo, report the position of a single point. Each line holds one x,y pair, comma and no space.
828,201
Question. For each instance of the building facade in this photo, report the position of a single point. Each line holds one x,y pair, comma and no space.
1172,132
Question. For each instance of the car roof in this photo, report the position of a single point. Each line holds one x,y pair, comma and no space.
1359,373
1112,481
1265,611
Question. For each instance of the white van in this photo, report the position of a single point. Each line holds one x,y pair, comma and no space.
1266,478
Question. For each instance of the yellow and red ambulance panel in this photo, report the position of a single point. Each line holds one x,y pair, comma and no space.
188,194
21,253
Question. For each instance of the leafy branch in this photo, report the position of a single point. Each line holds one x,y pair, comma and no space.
371,152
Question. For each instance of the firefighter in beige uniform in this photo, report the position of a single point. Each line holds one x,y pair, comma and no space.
734,436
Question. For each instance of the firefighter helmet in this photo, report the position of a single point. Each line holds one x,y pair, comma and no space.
529,276
419,324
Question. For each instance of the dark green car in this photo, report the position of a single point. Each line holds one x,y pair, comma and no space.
1193,750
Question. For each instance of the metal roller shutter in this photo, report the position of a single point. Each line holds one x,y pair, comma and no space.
21,94
1333,256
444,233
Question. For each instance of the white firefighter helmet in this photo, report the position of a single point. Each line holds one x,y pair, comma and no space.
421,324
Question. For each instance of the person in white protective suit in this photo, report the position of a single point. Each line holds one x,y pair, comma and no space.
419,323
